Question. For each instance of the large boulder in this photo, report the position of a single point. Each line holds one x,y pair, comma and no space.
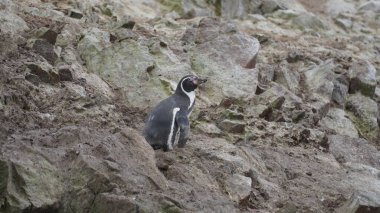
301,20
370,6
12,23
363,78
319,81
354,150
77,162
363,111
336,7
227,57
336,119
340,91
361,202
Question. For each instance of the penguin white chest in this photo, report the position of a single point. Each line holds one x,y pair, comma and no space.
191,96
169,144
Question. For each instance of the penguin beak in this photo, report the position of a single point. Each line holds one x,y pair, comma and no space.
201,81
198,81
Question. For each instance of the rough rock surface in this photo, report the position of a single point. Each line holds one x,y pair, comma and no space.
287,122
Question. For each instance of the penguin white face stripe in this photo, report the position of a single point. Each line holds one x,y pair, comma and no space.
191,94
169,142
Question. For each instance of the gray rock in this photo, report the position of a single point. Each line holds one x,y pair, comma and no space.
236,9
336,119
336,7
108,202
65,73
94,41
372,5
355,150
8,45
340,91
319,80
306,135
238,186
363,113
269,103
306,21
285,14
232,126
269,6
233,114
39,170
361,202
377,95
272,112
125,65
34,79
69,34
363,78
344,22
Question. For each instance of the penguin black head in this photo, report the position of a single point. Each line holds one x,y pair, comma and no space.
189,83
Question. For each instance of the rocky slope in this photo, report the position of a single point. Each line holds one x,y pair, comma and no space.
288,121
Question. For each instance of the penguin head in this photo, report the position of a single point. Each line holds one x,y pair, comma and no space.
189,83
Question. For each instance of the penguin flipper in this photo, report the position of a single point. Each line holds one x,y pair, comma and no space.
184,128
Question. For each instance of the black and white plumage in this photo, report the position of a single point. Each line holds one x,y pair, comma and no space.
172,115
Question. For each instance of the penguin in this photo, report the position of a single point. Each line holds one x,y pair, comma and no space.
172,115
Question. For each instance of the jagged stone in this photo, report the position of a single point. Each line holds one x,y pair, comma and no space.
319,79
340,91
236,9
65,73
73,13
363,78
47,34
371,6
232,126
93,42
271,113
45,72
45,49
233,114
269,6
287,78
209,128
220,54
344,22
306,135
69,34
367,202
108,202
8,45
268,104
305,21
34,79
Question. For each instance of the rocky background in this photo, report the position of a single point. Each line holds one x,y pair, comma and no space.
287,122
